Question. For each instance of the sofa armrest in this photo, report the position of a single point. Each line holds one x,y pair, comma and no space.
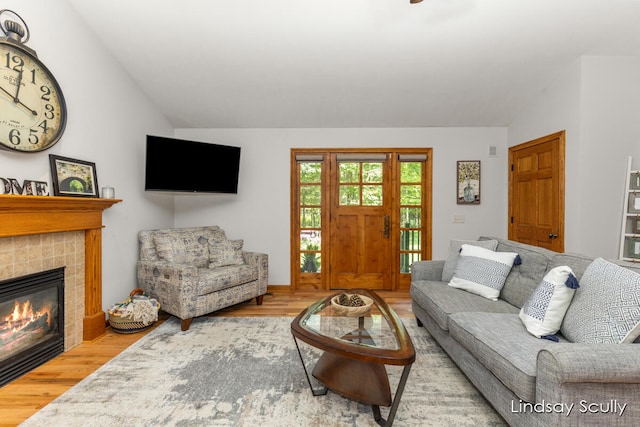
427,270
593,363
262,262
165,269
589,375
174,285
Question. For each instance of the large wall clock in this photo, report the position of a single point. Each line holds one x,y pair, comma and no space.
33,113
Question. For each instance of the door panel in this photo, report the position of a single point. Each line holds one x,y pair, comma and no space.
360,252
361,247
536,192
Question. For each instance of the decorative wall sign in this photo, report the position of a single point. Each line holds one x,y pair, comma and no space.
71,177
29,187
468,182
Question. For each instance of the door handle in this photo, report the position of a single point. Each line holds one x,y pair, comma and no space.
387,226
553,236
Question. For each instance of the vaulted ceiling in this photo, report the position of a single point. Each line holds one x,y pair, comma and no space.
354,63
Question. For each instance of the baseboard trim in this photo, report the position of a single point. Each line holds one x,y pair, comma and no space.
278,288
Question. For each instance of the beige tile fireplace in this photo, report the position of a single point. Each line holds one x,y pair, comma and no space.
22,255
38,233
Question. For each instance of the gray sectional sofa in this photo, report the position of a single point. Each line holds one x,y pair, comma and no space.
529,381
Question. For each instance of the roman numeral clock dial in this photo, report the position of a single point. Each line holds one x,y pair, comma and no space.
33,112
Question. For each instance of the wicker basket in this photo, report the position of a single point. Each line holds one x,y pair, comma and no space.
348,311
125,325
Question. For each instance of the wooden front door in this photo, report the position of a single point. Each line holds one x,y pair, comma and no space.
536,192
359,217
360,222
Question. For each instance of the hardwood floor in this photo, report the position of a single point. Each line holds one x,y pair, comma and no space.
27,395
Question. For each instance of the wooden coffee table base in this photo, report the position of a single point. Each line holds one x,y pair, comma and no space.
355,379
353,365
324,371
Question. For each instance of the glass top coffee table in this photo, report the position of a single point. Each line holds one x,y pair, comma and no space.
356,350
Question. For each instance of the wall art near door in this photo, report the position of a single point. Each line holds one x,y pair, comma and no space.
71,177
468,182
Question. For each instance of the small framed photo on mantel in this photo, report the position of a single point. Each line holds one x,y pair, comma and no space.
72,177
468,182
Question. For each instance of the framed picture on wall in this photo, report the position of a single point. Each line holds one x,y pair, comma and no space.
72,177
468,182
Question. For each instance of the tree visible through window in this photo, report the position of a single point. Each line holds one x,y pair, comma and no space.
410,214
310,178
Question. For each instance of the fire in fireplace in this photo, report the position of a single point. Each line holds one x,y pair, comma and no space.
31,322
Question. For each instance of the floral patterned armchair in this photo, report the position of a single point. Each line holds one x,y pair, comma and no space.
195,271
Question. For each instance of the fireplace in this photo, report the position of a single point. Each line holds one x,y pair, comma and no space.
31,322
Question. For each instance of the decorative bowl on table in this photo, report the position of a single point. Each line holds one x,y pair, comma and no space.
351,305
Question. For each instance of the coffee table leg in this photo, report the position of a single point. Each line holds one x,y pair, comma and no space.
316,392
396,401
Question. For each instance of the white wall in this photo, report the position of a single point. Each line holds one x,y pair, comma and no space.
107,123
260,213
611,133
597,101
558,108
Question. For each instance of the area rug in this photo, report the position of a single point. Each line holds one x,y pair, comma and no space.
231,371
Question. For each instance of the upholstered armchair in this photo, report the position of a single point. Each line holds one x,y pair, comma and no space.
195,271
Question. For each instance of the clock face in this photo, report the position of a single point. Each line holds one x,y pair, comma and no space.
33,113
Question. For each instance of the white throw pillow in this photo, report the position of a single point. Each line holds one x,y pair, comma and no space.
482,272
454,254
606,308
543,312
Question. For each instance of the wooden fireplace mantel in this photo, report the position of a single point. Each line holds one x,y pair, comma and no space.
30,215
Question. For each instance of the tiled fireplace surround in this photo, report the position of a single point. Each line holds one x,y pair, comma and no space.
40,233
23,255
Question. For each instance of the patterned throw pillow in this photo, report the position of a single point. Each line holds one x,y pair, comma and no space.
454,254
225,252
182,247
543,312
482,272
606,308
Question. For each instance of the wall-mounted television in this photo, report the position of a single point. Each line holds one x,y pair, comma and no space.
178,165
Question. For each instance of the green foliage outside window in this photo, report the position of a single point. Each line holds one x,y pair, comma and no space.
349,172
372,195
410,172
310,195
349,195
411,195
372,172
310,172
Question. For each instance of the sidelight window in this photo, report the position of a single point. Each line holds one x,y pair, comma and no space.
411,210
310,180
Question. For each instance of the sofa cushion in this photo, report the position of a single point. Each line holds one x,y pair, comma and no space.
606,308
481,271
211,280
182,247
224,252
577,262
441,300
502,344
455,246
523,278
542,314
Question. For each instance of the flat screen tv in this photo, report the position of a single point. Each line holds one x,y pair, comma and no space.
189,166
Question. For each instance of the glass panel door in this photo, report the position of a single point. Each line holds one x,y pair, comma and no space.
359,219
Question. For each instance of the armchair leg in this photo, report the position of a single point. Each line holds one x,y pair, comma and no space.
185,323
259,299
